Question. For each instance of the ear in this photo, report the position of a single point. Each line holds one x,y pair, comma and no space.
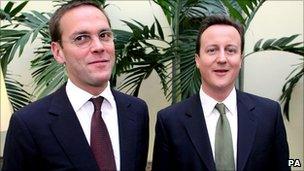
57,52
197,58
242,60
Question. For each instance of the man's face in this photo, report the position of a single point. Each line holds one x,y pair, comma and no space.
219,59
88,67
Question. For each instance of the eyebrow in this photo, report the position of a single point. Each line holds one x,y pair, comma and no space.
86,32
78,33
102,30
232,45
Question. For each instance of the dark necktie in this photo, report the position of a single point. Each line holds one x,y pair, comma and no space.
223,142
100,140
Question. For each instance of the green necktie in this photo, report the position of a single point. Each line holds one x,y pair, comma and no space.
223,142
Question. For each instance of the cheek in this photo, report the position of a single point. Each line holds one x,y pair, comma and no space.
110,48
200,64
236,62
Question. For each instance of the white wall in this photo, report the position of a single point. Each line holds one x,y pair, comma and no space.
264,72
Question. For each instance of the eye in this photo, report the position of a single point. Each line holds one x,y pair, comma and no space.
231,50
211,51
106,36
81,39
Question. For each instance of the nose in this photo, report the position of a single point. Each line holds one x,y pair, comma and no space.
96,45
222,58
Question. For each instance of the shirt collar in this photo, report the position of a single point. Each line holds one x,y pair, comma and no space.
230,102
208,103
108,96
78,97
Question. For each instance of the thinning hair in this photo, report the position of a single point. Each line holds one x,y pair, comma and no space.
54,24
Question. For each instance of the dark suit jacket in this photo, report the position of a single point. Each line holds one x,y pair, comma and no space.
46,135
182,141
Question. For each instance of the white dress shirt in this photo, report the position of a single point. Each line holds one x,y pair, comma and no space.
84,111
212,115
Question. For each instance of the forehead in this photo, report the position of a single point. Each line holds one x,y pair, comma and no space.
221,32
83,18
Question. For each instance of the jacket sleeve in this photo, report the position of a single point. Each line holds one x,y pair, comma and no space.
145,139
281,149
20,153
161,153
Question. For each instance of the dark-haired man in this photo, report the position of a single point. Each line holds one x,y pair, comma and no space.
85,125
220,128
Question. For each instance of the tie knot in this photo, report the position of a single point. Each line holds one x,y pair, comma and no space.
97,102
221,108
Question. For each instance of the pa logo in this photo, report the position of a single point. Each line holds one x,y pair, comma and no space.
294,163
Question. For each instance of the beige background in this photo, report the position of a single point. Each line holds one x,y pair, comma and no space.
265,72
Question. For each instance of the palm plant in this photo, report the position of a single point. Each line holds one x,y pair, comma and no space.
144,49
184,18
245,16
10,42
137,56
285,44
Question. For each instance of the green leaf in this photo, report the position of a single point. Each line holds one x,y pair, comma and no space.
281,44
234,13
41,17
18,8
268,43
5,16
16,94
257,45
22,42
285,40
152,31
288,88
243,5
8,7
159,29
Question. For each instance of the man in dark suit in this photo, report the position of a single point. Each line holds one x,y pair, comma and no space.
220,128
57,132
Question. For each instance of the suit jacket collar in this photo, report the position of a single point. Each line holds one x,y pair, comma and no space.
197,131
247,126
127,133
67,129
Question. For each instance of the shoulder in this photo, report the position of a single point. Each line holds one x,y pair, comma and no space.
263,108
182,107
38,105
39,108
127,98
257,100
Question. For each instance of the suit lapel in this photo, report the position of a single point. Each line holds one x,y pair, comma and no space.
68,131
127,132
246,128
198,133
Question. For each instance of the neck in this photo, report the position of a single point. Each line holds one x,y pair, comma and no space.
219,94
96,90
92,89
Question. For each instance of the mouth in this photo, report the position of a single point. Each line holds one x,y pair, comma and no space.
220,71
101,61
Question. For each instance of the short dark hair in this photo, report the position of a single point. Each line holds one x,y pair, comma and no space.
219,20
54,24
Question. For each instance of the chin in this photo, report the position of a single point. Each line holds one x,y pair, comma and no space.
100,81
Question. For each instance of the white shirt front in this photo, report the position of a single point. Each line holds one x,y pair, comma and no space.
84,111
212,115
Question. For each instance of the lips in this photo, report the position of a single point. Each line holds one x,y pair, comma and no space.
99,61
221,70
